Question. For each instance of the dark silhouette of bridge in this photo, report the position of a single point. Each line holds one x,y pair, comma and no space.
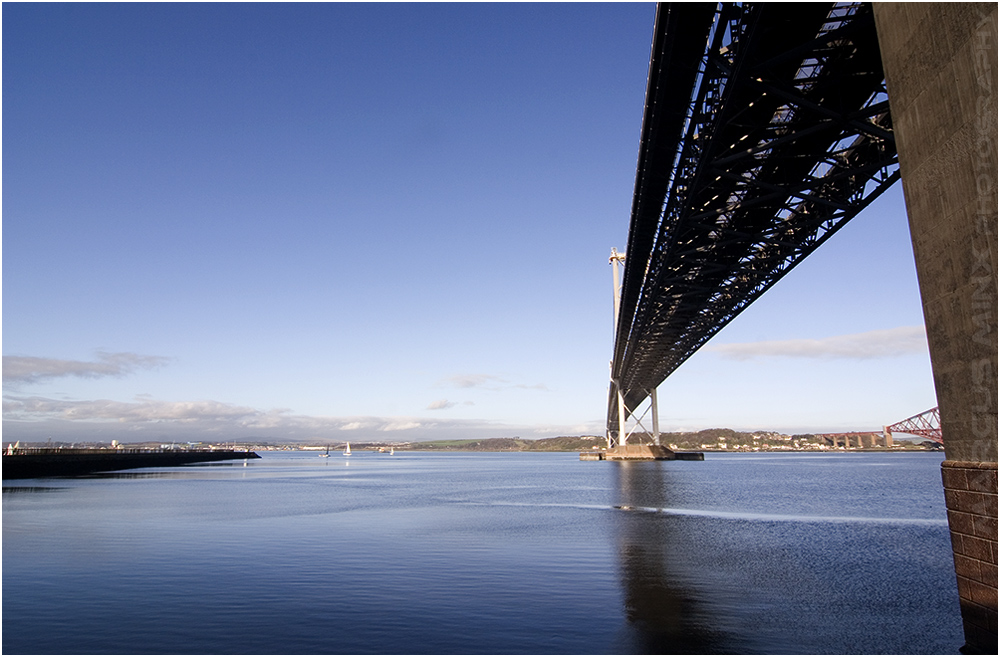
766,128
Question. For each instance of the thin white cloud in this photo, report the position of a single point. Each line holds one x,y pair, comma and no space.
35,418
440,404
488,382
885,343
472,380
400,425
32,369
144,410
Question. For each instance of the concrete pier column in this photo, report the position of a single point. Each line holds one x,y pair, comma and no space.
940,62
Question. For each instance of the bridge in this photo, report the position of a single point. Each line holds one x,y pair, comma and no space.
766,128
858,438
926,425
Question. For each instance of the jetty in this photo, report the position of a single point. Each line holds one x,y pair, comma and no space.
32,462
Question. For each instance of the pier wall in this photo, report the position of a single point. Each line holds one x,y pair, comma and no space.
42,462
940,62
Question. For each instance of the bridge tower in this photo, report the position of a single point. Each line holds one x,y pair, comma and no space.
617,433
940,62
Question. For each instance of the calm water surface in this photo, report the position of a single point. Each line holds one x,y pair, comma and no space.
485,553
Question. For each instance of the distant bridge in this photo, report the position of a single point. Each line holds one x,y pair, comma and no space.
926,425
766,128
859,438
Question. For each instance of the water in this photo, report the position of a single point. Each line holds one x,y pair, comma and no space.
467,553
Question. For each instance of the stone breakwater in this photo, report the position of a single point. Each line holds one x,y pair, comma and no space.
32,463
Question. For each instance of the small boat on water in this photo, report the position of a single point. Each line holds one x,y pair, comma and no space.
347,451
392,450
326,455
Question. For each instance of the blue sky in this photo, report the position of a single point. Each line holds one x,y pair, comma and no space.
378,222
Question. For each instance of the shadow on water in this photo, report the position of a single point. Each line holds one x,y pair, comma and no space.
186,471
168,474
20,490
665,612
784,570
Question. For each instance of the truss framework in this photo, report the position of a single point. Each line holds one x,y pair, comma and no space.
926,424
782,138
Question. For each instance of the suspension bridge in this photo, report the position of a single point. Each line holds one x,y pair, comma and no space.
766,128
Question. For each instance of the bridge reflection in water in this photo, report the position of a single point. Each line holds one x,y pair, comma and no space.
783,554
662,607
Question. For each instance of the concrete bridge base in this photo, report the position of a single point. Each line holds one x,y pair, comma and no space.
639,453
940,62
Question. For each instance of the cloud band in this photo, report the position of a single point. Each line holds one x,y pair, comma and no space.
886,343
31,369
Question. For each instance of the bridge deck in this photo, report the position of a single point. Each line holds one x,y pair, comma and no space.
766,128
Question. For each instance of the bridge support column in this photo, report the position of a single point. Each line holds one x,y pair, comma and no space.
656,417
940,62
622,434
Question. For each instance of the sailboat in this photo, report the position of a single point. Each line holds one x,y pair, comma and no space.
347,451
327,454
392,450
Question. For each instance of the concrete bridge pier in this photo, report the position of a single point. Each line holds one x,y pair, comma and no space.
940,62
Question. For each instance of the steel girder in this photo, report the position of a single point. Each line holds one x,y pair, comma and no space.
766,128
926,424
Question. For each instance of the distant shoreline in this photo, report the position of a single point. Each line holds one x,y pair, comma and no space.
707,440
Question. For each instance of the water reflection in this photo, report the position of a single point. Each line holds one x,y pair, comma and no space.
17,490
665,612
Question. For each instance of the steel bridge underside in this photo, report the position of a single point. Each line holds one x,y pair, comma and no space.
766,128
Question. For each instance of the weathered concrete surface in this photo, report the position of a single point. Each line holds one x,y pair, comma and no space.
940,62
639,453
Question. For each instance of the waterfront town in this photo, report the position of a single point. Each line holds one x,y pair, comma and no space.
708,440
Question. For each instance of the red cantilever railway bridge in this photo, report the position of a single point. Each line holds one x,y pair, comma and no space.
926,425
